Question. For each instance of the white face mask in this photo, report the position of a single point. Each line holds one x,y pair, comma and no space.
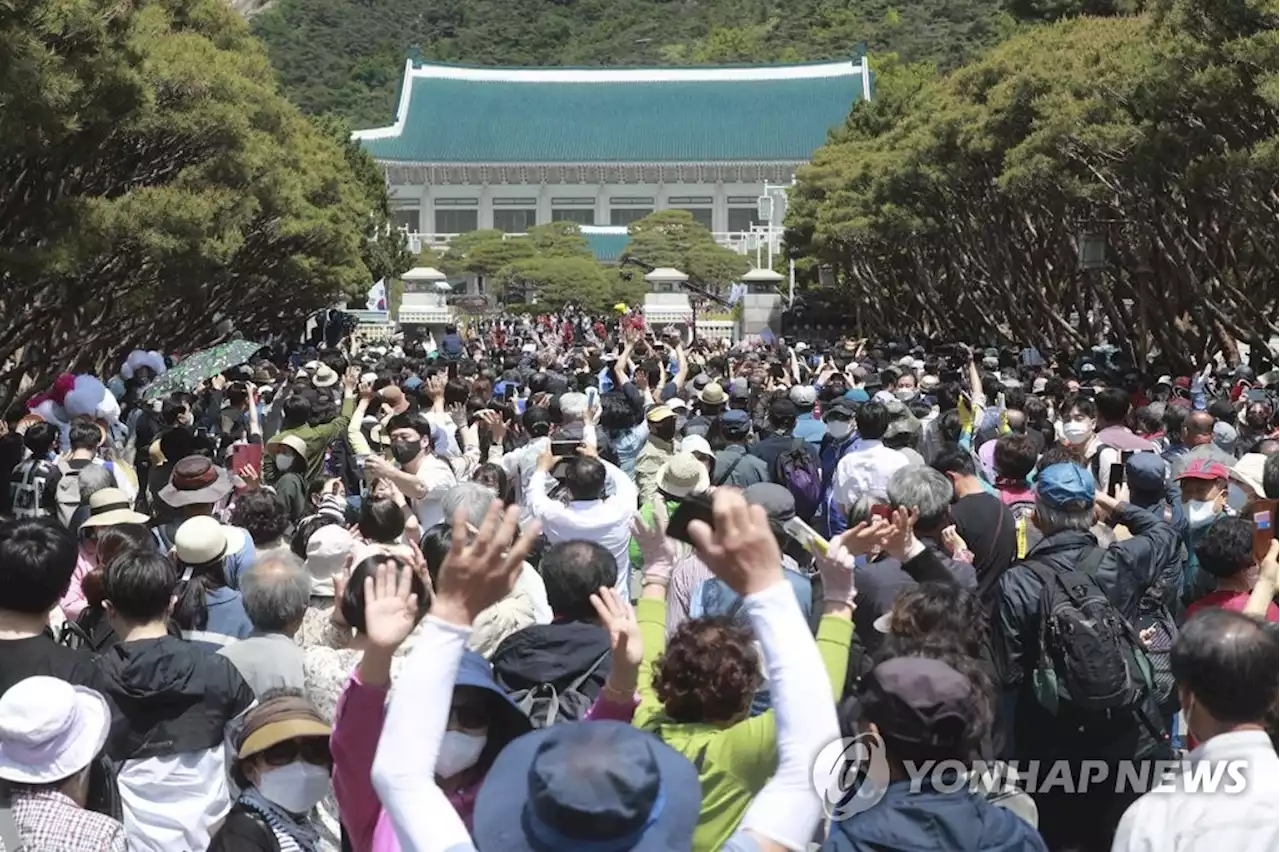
905,394
459,750
283,461
1077,431
839,429
1199,511
296,787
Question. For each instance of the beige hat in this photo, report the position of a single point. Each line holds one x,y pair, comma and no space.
713,394
110,506
325,377
200,540
682,475
697,445
293,442
1248,472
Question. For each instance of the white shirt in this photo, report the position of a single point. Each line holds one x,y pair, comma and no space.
437,476
1188,820
607,521
866,469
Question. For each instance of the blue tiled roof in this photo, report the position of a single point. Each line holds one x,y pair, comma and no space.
607,248
545,119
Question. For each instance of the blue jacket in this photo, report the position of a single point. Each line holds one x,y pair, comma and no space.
831,521
929,821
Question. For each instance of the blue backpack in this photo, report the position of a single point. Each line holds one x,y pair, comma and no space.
796,469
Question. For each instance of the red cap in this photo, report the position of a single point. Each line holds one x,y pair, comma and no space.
1183,382
1205,469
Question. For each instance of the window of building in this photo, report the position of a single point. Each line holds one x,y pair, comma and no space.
514,221
456,221
406,220
627,215
701,215
581,215
742,218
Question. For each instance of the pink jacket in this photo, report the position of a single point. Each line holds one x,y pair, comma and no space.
357,724
73,602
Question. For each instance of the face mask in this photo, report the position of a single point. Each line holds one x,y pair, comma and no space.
296,787
1077,431
905,394
283,461
405,451
1199,511
459,751
839,429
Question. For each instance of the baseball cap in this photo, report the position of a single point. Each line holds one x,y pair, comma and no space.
1064,484
778,502
1225,436
740,392
841,409
413,383
1207,469
1183,382
659,413
804,396
857,395
1145,473
1040,385
1167,381
929,383
701,381
916,701
695,444
735,423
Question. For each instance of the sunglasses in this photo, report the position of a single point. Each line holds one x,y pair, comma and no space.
314,750
470,716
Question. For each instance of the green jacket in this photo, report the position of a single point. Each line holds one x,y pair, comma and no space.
646,512
733,763
317,438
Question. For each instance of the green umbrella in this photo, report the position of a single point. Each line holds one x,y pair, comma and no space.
195,368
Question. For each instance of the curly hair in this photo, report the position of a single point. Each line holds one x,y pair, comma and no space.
262,514
708,673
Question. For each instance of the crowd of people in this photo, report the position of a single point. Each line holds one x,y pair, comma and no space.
565,583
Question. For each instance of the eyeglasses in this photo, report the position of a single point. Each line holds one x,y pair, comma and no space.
469,715
314,750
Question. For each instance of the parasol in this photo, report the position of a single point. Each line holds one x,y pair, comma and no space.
195,368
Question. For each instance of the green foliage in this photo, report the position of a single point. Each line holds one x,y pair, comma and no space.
953,205
558,279
672,238
152,177
347,56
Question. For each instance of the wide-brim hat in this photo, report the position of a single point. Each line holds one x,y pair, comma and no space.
110,506
194,480
50,730
325,377
588,785
279,720
682,475
293,442
713,394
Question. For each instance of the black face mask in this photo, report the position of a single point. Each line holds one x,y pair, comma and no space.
405,451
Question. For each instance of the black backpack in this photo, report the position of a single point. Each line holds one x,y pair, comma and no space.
1090,658
545,706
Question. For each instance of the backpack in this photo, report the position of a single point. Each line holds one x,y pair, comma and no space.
796,469
1026,534
67,492
545,706
1090,658
28,486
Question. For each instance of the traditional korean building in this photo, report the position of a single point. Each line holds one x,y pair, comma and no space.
509,148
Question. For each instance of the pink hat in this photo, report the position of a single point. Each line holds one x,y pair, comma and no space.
1205,469
50,730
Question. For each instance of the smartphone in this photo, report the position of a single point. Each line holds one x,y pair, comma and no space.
1115,480
879,510
806,536
1264,530
1257,395
593,397
565,448
244,455
690,509
509,391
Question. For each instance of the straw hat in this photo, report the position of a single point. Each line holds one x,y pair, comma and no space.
110,506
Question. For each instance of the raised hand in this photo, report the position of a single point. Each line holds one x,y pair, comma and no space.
741,550
481,570
617,616
390,607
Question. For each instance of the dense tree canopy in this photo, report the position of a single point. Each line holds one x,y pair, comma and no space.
673,238
956,205
347,56
151,178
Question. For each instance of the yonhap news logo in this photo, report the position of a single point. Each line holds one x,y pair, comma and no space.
850,775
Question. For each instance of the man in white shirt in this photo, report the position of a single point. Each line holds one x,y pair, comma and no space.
603,501
1225,665
422,476
865,467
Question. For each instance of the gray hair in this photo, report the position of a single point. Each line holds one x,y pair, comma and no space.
475,497
573,406
93,479
860,511
924,489
276,591
1052,519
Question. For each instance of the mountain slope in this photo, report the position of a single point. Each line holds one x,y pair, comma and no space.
347,56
